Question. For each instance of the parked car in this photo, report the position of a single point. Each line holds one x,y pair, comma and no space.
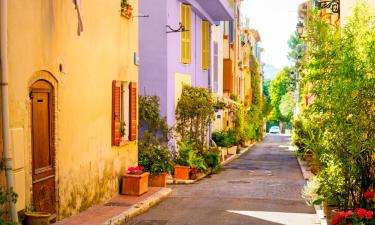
274,130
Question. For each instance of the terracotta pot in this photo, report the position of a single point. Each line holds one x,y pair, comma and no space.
232,150
157,180
181,172
37,218
134,184
332,213
315,167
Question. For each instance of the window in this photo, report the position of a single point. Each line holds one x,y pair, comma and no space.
231,32
124,112
205,45
186,35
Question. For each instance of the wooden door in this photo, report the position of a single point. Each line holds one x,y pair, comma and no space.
43,167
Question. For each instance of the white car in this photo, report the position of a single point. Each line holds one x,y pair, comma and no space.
274,130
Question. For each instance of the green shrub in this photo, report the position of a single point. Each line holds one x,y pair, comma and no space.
213,160
156,159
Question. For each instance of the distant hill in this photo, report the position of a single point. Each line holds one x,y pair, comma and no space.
270,71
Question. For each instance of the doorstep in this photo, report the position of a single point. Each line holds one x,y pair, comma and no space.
119,209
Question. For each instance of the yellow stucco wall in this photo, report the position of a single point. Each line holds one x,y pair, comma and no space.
42,35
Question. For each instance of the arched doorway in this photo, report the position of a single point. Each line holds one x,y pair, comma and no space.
43,150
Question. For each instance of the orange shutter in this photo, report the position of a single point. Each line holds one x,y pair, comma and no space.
116,112
133,111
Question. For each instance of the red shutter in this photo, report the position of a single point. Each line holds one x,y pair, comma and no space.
133,111
116,112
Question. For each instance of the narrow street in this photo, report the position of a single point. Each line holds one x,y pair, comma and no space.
262,187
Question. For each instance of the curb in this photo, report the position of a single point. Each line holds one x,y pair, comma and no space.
139,208
230,159
307,175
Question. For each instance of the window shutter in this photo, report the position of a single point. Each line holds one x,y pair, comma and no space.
188,34
205,45
116,112
133,111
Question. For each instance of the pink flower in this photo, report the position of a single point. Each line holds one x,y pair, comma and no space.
369,215
368,194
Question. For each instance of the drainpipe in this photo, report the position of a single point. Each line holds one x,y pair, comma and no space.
5,111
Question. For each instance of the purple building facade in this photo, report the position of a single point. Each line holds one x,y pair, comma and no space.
160,52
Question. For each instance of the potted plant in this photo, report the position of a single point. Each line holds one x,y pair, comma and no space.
126,9
156,160
135,182
183,161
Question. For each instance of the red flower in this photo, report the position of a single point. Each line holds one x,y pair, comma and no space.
348,214
141,168
361,213
368,194
336,220
369,215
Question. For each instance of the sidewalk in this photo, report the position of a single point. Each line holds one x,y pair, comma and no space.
119,209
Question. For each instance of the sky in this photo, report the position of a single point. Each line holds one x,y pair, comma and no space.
276,21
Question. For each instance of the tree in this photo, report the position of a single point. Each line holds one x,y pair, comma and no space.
280,86
287,106
293,41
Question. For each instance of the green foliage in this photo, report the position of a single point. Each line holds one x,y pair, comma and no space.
293,41
280,86
212,160
186,156
194,113
5,196
154,135
156,159
224,139
340,71
219,104
287,105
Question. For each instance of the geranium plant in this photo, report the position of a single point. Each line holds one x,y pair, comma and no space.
137,170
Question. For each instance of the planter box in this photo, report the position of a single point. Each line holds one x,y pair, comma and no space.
232,150
181,172
224,153
133,184
37,218
159,180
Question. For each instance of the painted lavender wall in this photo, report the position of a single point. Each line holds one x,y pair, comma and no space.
160,54
198,77
153,77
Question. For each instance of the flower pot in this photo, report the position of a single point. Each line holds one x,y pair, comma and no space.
332,213
223,153
157,180
181,172
37,218
134,184
232,150
314,167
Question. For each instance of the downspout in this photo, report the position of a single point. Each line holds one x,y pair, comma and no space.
5,110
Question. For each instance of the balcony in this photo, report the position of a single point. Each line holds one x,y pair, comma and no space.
213,10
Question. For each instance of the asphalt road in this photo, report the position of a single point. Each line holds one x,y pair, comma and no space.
261,187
